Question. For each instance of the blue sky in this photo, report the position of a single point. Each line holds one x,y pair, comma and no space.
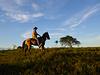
78,18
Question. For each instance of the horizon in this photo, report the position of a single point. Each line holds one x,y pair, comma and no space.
76,18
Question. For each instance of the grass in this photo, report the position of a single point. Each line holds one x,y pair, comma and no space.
52,61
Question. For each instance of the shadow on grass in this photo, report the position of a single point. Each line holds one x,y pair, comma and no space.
6,69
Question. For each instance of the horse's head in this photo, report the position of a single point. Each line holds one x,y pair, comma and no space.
46,35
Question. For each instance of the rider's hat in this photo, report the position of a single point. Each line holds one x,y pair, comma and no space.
35,28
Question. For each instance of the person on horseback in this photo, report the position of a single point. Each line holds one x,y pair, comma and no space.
34,35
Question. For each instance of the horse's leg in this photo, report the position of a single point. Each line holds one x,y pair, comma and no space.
29,47
28,43
26,47
42,47
25,51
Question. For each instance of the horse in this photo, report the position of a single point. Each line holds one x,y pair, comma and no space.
26,45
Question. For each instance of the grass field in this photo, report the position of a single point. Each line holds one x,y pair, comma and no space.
52,61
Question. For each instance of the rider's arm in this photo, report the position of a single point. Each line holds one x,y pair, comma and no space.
39,35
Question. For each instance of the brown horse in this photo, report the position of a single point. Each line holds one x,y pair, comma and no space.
26,45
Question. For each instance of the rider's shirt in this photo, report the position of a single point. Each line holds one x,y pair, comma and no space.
34,35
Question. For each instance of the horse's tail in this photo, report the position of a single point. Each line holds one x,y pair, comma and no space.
23,44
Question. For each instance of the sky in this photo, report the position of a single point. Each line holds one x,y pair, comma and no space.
77,18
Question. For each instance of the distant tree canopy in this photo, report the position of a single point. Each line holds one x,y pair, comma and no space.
19,47
69,41
56,41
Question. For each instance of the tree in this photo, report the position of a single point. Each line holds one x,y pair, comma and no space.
19,47
56,42
78,43
69,41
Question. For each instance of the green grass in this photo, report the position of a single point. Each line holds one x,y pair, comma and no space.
52,61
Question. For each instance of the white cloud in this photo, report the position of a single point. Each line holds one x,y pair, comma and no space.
35,6
36,15
23,17
19,2
18,17
79,18
13,11
56,35
56,29
7,6
26,35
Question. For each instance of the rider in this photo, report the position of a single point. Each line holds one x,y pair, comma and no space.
34,34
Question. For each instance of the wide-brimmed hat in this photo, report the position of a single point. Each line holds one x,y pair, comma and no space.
35,28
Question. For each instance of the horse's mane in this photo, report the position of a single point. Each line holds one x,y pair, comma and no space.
45,33
41,37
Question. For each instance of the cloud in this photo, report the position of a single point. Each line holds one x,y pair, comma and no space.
26,35
8,5
56,35
56,29
20,2
24,17
14,11
35,6
79,18
37,15
18,17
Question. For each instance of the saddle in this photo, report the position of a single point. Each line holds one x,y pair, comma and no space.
33,41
